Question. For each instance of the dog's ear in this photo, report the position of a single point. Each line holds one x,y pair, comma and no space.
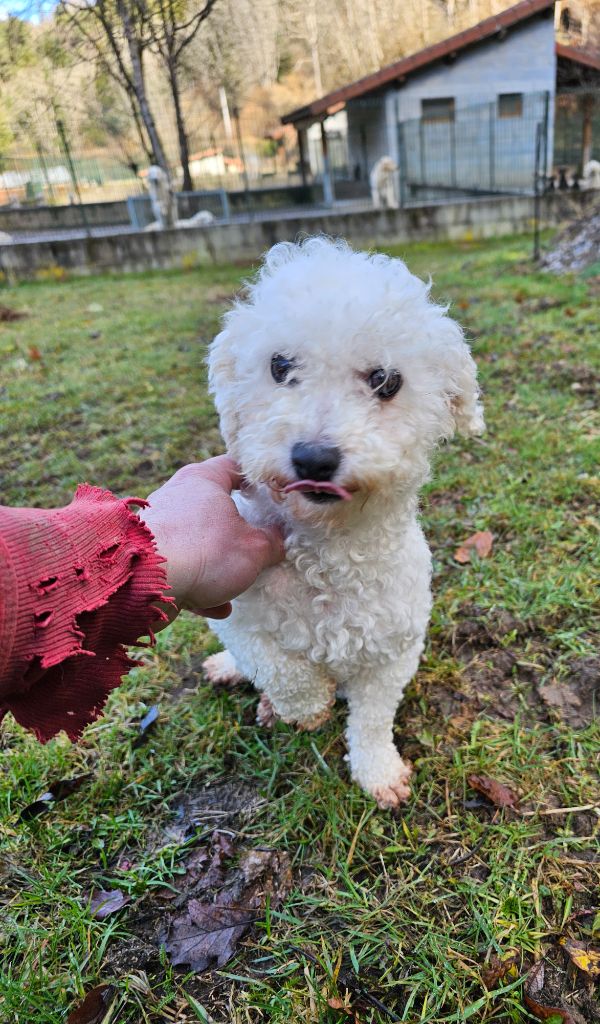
465,404
460,379
221,383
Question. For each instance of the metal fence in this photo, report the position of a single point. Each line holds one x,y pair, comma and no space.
48,177
570,112
53,160
213,201
475,150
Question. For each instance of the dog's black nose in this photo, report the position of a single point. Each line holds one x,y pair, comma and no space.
315,461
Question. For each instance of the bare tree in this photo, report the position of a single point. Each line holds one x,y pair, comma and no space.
116,33
171,26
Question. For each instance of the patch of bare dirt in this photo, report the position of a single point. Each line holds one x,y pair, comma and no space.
560,987
208,909
507,667
575,696
226,803
579,378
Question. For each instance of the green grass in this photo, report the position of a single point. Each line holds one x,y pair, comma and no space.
118,398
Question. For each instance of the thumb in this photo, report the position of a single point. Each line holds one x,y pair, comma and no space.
273,550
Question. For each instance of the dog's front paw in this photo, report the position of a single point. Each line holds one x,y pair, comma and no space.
392,794
220,669
386,778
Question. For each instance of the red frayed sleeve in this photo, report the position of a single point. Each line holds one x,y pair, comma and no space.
77,585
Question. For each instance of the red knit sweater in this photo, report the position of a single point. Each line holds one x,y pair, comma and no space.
77,584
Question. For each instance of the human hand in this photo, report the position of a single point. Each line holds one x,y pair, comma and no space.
212,554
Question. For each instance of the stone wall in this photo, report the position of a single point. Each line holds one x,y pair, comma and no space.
226,243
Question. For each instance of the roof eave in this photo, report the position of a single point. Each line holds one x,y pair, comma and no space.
486,30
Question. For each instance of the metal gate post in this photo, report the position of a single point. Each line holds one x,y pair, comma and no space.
536,191
402,164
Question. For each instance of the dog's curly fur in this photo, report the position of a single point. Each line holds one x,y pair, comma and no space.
348,610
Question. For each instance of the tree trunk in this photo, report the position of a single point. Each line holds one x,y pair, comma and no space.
139,86
184,146
139,127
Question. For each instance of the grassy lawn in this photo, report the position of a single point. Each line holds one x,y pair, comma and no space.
378,917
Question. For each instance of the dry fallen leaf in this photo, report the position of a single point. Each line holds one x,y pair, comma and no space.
94,1007
497,792
341,1004
534,984
57,791
106,902
583,956
207,934
549,1013
7,314
496,970
480,542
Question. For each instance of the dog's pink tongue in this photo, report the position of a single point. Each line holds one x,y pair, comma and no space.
318,485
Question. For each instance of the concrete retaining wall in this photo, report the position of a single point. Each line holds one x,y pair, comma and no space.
226,243
44,218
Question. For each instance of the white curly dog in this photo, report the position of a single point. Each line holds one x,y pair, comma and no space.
334,380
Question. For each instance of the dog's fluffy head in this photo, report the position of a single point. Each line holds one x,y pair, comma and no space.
341,323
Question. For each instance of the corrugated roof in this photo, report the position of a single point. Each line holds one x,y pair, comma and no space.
484,30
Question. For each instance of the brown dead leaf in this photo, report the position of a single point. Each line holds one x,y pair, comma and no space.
496,970
553,1013
534,981
56,791
106,902
35,354
94,1007
207,934
497,792
480,542
204,868
7,314
584,956
342,1004
534,984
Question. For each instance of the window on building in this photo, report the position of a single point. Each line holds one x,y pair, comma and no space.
510,104
570,23
437,110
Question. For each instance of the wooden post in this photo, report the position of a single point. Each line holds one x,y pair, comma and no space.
328,193
302,154
586,130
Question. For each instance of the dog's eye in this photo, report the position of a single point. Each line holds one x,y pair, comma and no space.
281,369
386,383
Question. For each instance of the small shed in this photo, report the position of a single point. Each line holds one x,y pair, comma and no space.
472,113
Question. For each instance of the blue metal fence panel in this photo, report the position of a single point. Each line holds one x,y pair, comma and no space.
476,149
